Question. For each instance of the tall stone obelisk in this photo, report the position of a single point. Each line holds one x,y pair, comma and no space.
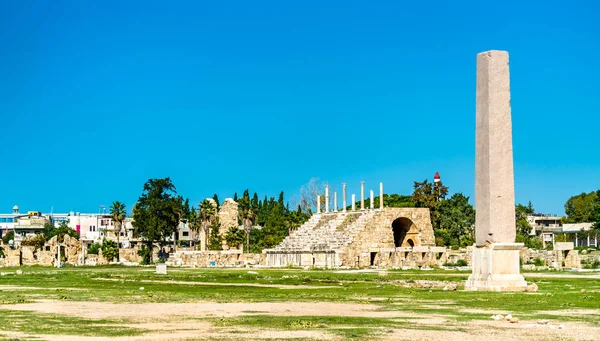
495,254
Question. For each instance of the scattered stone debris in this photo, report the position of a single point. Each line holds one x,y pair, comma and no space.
252,273
141,288
508,318
532,288
450,287
19,272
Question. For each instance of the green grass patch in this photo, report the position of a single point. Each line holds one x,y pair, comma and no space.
40,324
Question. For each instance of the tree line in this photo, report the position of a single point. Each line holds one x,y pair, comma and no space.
159,210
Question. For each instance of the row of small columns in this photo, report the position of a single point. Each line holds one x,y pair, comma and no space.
362,198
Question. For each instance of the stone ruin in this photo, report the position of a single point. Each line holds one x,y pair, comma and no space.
384,237
70,252
228,217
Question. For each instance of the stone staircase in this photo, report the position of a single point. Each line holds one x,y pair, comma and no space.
326,232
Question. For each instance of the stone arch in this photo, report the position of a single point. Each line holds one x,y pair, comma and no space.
405,232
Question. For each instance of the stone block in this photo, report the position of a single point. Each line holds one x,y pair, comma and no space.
161,269
496,268
564,246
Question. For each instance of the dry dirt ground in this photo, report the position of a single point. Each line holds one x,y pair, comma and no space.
179,321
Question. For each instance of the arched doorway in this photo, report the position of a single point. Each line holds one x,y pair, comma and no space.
401,227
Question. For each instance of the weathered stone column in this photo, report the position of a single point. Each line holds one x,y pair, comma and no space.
334,201
372,201
381,195
344,197
318,204
353,202
326,198
495,254
362,195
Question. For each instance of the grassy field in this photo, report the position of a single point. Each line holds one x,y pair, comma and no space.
136,303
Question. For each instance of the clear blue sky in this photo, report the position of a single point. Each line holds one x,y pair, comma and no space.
98,96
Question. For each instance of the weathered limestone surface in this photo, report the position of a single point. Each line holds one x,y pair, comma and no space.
379,234
338,239
228,217
494,175
495,255
227,258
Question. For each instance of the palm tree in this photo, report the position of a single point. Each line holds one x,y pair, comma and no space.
193,224
207,213
247,219
118,214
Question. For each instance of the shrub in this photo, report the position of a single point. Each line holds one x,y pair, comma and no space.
534,243
36,241
234,237
539,262
109,250
8,237
94,248
146,253
595,264
462,262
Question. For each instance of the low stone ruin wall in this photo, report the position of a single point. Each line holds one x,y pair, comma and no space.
563,256
227,258
321,259
396,258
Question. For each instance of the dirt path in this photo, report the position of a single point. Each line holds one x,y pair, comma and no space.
149,311
259,285
180,321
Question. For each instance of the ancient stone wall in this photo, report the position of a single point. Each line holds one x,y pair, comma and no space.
559,258
228,215
228,258
406,227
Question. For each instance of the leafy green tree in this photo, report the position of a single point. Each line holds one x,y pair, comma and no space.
580,208
118,213
429,195
215,240
10,235
457,216
234,237
157,212
389,200
63,230
596,212
524,228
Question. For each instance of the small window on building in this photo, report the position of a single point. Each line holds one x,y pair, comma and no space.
185,233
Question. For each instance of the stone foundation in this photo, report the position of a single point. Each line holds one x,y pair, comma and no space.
496,268
202,259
